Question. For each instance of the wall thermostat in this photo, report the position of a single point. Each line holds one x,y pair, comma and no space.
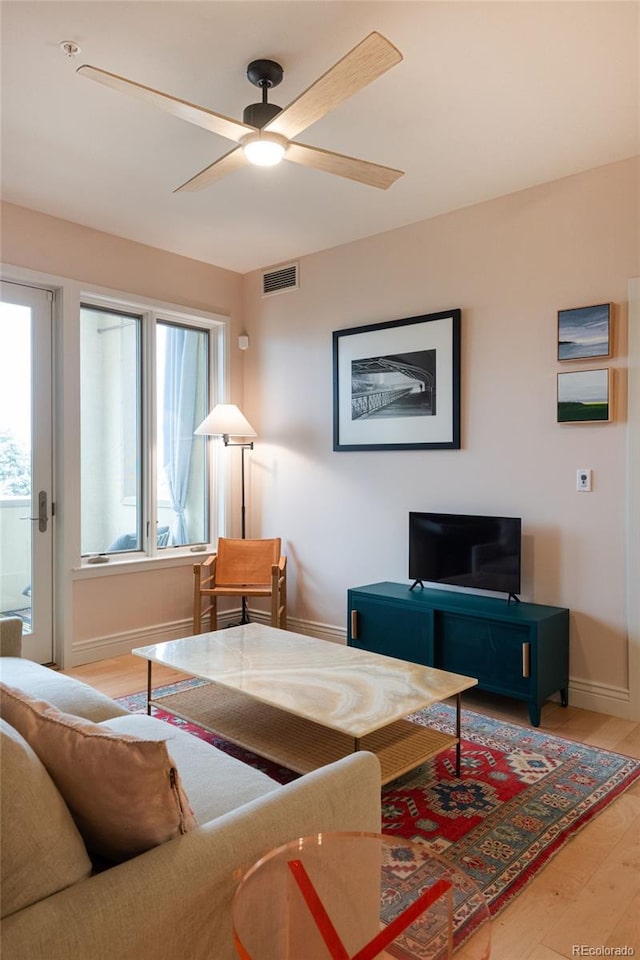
583,479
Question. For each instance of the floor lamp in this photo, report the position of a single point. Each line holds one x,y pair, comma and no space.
226,420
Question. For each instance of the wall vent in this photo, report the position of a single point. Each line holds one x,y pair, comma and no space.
280,279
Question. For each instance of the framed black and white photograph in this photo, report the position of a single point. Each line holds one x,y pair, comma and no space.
584,333
584,396
396,385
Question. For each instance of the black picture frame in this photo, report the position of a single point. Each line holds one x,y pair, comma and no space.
396,385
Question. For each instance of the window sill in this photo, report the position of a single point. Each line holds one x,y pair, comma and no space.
130,564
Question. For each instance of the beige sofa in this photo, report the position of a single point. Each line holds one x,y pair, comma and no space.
171,902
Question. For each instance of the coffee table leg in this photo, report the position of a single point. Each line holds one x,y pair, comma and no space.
149,662
458,731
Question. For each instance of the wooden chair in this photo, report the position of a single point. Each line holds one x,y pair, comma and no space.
10,637
241,568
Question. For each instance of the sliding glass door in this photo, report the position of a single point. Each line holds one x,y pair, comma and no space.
26,528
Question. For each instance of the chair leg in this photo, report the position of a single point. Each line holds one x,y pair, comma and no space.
278,597
213,614
197,601
283,602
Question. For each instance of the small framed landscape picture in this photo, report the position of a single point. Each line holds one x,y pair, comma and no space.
584,396
584,332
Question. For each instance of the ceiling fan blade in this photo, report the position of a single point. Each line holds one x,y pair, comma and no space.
234,160
215,122
369,60
363,171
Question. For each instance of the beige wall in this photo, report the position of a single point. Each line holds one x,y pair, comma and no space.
100,614
59,247
114,614
510,264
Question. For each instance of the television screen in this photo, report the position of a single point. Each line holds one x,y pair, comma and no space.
465,551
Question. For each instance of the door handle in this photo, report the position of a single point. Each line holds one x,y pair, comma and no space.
354,624
42,517
526,660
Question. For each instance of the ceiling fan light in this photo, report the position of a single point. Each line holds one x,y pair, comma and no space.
264,150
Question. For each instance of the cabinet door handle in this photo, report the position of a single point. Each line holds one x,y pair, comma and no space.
526,659
354,624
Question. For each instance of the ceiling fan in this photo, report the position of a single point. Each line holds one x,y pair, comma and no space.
265,135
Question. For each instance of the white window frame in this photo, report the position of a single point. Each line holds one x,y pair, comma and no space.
152,312
68,293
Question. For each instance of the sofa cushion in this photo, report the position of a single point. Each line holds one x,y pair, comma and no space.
215,782
65,693
42,851
124,794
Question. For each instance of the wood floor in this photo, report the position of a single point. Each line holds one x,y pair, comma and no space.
586,902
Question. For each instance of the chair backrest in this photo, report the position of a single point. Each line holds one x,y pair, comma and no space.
10,637
163,536
244,562
129,541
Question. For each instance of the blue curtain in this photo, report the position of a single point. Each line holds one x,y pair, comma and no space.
179,419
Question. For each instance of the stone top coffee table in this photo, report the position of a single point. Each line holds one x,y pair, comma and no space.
303,702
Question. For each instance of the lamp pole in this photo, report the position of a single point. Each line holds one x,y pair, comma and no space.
243,446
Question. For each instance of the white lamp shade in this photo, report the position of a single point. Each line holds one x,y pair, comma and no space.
226,420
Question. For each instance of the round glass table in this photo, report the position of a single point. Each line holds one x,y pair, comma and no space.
358,896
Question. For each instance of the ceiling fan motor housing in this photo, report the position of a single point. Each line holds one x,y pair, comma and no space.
259,114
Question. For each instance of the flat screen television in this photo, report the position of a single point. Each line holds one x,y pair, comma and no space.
465,551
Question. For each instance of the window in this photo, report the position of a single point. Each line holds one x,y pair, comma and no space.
145,387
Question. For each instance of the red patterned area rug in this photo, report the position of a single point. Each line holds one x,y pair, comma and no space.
521,796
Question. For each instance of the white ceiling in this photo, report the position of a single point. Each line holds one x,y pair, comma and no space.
490,98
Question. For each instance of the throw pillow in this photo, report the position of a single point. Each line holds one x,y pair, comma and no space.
42,851
124,793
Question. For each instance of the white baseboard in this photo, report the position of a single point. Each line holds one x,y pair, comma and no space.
116,645
588,695
308,628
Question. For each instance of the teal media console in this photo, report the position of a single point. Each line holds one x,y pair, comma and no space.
520,650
